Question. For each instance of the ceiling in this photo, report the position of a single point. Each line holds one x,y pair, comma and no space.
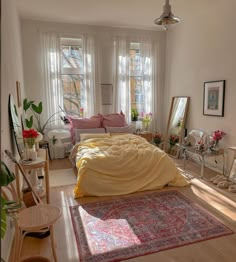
115,13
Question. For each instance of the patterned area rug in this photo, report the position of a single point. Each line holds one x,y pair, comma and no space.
133,226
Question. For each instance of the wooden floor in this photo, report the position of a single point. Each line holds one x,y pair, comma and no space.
219,202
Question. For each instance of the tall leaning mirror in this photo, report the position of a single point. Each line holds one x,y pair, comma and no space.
15,125
176,123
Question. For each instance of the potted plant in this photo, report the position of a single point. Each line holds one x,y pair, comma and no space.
36,110
6,178
134,114
157,138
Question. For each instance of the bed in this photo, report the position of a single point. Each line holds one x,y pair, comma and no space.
122,164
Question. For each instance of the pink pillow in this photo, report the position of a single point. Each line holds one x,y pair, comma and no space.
85,123
114,120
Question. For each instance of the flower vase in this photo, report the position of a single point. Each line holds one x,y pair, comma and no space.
216,147
30,152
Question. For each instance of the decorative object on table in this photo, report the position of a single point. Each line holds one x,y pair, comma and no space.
173,140
200,147
36,111
217,136
140,225
146,119
232,174
214,94
29,140
134,114
81,112
157,139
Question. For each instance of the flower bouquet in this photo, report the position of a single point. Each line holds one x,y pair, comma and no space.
29,139
173,140
157,138
217,136
146,119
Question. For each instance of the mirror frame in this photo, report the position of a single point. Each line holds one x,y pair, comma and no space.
11,104
183,122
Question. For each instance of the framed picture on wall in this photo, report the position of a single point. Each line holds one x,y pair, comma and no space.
213,98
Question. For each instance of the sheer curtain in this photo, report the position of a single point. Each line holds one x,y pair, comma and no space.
149,80
121,94
52,93
90,101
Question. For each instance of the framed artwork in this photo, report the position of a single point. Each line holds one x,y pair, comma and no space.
213,98
18,92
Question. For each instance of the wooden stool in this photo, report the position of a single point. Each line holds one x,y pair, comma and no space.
39,218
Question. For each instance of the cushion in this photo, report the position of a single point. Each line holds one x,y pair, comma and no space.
114,120
78,132
130,129
88,136
85,123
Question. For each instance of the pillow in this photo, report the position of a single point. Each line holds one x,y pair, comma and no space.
85,123
78,132
125,129
86,136
114,120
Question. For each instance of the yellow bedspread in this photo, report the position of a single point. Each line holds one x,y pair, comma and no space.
122,164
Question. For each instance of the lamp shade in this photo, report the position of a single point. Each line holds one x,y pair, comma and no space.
167,17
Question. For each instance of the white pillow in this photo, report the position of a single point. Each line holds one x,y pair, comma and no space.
88,136
88,131
129,129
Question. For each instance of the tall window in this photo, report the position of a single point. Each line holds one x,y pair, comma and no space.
72,75
136,78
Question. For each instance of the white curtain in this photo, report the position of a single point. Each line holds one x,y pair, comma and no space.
149,80
121,93
90,106
52,93
122,99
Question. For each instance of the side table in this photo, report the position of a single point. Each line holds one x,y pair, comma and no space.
40,162
147,136
201,154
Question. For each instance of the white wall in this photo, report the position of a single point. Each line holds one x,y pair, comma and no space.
103,39
11,71
203,48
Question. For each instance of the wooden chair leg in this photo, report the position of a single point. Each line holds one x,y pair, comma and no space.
53,243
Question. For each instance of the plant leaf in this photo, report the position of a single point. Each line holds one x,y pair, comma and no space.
27,104
38,109
6,175
3,218
29,123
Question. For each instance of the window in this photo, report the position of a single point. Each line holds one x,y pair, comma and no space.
136,78
72,75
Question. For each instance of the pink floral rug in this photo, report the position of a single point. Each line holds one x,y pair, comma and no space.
127,227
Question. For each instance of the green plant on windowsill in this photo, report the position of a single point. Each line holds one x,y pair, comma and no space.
134,114
36,111
7,207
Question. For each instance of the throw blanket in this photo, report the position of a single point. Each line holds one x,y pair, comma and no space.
122,164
